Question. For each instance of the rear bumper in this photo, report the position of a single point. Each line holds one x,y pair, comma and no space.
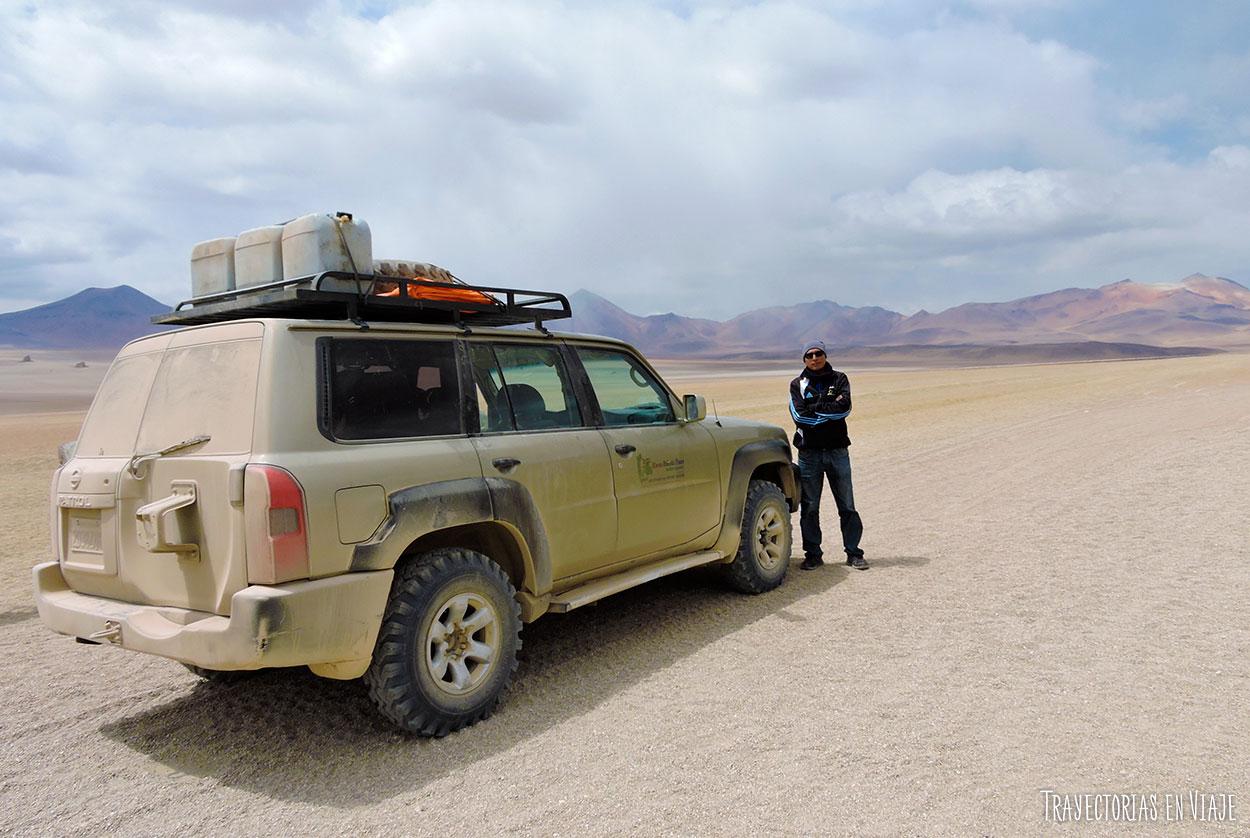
322,621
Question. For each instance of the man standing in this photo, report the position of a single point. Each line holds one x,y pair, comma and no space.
820,399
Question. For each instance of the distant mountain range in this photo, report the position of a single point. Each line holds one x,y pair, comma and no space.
94,318
1197,311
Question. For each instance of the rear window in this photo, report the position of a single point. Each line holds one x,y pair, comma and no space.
148,402
113,422
206,389
391,389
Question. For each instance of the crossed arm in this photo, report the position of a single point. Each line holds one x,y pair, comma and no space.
834,403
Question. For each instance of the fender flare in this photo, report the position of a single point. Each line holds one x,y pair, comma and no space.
417,511
746,460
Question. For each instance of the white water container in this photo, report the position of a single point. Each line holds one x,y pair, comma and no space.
316,243
212,267
258,256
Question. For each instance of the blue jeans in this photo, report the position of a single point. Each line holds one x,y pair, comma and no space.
815,466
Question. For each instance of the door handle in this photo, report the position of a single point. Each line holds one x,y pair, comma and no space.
505,463
625,449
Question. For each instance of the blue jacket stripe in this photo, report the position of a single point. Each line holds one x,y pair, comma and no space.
802,420
820,417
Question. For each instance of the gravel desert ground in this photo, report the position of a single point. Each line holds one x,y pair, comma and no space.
1057,600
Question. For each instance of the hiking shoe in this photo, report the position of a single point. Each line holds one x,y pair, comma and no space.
857,562
811,563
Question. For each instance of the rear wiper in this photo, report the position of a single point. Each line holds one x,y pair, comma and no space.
137,461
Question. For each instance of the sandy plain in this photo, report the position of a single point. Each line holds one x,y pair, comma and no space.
51,380
1057,600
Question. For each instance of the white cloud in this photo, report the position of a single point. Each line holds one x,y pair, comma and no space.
980,208
1038,229
1151,114
670,160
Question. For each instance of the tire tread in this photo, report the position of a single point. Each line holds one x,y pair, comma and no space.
743,574
387,679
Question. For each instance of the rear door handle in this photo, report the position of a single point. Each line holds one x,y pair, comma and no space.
625,449
505,463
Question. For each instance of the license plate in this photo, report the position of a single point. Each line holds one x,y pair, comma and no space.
84,534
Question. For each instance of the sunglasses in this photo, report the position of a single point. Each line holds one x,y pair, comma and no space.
816,354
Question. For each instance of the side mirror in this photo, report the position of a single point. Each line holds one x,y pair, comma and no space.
66,452
696,408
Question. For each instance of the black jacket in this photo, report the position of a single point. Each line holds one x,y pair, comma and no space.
819,404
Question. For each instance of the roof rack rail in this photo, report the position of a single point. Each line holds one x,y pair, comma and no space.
338,295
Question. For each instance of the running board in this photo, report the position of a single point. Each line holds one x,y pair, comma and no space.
600,588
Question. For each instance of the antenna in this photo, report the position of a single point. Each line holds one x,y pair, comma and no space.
715,415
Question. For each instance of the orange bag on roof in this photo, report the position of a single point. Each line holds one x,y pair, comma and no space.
454,291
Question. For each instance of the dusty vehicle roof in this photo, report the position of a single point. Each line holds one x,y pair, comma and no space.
386,327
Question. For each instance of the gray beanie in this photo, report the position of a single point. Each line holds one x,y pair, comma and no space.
814,344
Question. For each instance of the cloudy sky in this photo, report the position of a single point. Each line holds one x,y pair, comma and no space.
706,158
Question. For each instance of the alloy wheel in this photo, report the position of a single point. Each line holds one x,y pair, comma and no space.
769,533
462,643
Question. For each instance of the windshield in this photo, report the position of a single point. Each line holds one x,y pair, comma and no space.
148,402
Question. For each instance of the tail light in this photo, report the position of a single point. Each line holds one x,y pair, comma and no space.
276,526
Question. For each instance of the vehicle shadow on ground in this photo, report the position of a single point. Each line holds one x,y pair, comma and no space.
290,735
17,615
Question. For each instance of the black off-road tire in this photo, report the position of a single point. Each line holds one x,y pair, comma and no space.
764,549
220,676
405,680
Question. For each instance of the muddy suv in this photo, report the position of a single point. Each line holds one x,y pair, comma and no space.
391,500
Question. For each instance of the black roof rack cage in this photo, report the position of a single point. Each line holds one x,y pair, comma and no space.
338,295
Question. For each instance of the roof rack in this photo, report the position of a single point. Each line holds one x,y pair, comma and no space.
337,295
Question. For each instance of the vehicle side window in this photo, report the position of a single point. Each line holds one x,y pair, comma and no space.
628,393
523,387
492,406
389,389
